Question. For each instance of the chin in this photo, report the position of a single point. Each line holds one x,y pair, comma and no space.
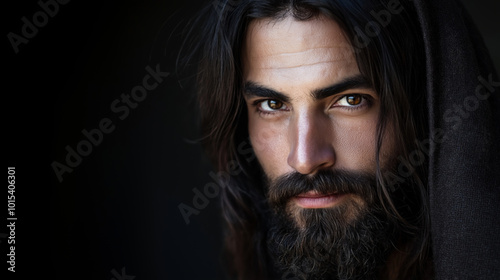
345,241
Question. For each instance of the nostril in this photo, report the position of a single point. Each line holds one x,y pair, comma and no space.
312,160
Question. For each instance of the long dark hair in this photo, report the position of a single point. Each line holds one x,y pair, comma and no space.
389,53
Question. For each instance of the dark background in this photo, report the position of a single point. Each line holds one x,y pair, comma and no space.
119,207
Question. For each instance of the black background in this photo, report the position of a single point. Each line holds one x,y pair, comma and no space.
119,207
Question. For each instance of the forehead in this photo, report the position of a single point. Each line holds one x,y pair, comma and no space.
287,48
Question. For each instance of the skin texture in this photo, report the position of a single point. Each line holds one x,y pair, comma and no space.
302,133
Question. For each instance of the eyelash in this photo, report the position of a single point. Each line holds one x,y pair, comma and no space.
366,98
257,103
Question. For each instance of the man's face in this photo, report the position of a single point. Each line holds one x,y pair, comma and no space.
309,108
312,121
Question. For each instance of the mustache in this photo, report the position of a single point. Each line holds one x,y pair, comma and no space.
360,183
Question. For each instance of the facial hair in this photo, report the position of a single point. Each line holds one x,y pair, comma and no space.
350,240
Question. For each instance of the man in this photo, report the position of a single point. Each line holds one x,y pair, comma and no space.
373,144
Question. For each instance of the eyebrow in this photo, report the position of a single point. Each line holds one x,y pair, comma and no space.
252,88
355,82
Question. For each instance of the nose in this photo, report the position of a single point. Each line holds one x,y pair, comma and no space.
311,146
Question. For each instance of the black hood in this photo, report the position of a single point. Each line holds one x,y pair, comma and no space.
464,165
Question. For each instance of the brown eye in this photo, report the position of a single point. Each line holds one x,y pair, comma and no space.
274,104
354,99
271,105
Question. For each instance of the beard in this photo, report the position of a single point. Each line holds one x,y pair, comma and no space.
350,240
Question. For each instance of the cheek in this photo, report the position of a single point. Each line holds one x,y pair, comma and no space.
270,145
355,143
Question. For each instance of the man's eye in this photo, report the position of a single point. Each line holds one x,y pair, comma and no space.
350,100
272,105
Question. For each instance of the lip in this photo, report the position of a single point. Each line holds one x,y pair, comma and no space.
313,199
